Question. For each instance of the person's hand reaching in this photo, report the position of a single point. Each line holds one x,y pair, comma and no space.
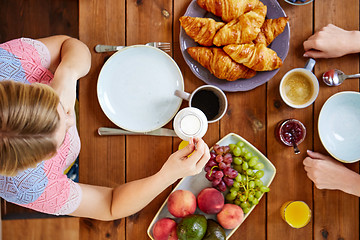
180,164
330,42
328,173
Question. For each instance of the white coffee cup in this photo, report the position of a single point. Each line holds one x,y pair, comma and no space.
299,87
210,99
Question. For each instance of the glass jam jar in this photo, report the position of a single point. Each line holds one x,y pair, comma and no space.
290,131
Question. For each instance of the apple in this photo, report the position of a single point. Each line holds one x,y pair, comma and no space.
181,203
230,216
165,229
210,200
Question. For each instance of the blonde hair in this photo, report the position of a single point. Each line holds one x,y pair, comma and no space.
28,120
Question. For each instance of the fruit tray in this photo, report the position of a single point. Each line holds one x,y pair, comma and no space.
198,182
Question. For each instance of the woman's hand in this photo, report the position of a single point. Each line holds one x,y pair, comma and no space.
180,164
332,41
327,173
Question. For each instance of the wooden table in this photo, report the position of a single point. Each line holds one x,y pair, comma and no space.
110,161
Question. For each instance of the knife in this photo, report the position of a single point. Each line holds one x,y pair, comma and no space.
104,131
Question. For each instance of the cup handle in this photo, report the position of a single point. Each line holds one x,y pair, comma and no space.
183,95
310,64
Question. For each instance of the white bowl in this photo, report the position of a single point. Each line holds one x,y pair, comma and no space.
339,126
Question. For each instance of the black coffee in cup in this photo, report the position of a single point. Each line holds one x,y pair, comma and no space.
208,102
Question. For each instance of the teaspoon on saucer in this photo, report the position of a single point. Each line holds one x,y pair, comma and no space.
335,77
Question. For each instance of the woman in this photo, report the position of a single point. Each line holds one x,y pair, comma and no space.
38,137
327,173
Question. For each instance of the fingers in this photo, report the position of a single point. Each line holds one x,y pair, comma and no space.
186,150
204,159
315,54
316,155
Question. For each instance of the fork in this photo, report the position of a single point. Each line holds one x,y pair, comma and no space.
108,48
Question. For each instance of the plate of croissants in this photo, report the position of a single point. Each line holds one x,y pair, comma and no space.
236,45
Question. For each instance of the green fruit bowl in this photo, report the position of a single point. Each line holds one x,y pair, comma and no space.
198,182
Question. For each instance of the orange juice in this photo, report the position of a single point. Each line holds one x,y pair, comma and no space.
296,213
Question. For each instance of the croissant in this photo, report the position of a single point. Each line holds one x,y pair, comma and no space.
257,57
228,9
219,63
243,29
270,30
202,30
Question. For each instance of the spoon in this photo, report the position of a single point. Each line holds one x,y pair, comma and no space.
296,149
336,77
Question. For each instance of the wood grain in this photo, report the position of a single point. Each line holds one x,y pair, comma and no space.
102,159
35,229
291,182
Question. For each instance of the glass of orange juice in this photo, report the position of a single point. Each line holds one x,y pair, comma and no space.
296,213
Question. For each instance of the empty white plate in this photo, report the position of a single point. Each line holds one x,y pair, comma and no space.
339,126
136,88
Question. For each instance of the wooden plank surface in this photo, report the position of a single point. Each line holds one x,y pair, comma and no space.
336,214
291,182
110,161
102,159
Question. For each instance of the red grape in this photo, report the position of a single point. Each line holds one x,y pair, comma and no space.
219,174
219,158
216,182
221,186
228,181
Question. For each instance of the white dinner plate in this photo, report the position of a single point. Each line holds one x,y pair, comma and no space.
339,126
136,88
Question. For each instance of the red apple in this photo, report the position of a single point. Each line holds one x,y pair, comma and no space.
210,200
165,229
230,216
181,203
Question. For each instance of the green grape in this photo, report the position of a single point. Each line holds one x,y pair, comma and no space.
258,194
237,160
255,201
231,146
245,205
237,202
237,168
234,189
259,174
251,184
251,197
249,172
240,144
246,210
236,151
236,184
264,189
229,197
253,161
244,151
238,178
234,194
242,198
248,156
259,166
244,179
245,166
258,182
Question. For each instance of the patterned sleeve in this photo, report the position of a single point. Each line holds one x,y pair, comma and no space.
25,60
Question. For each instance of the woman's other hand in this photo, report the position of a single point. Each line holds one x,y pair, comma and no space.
332,41
328,173
180,164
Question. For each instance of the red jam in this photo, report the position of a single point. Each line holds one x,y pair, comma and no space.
290,131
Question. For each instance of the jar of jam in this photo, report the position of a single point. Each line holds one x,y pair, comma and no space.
291,132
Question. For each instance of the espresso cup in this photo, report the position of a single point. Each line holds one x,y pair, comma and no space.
299,87
209,99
